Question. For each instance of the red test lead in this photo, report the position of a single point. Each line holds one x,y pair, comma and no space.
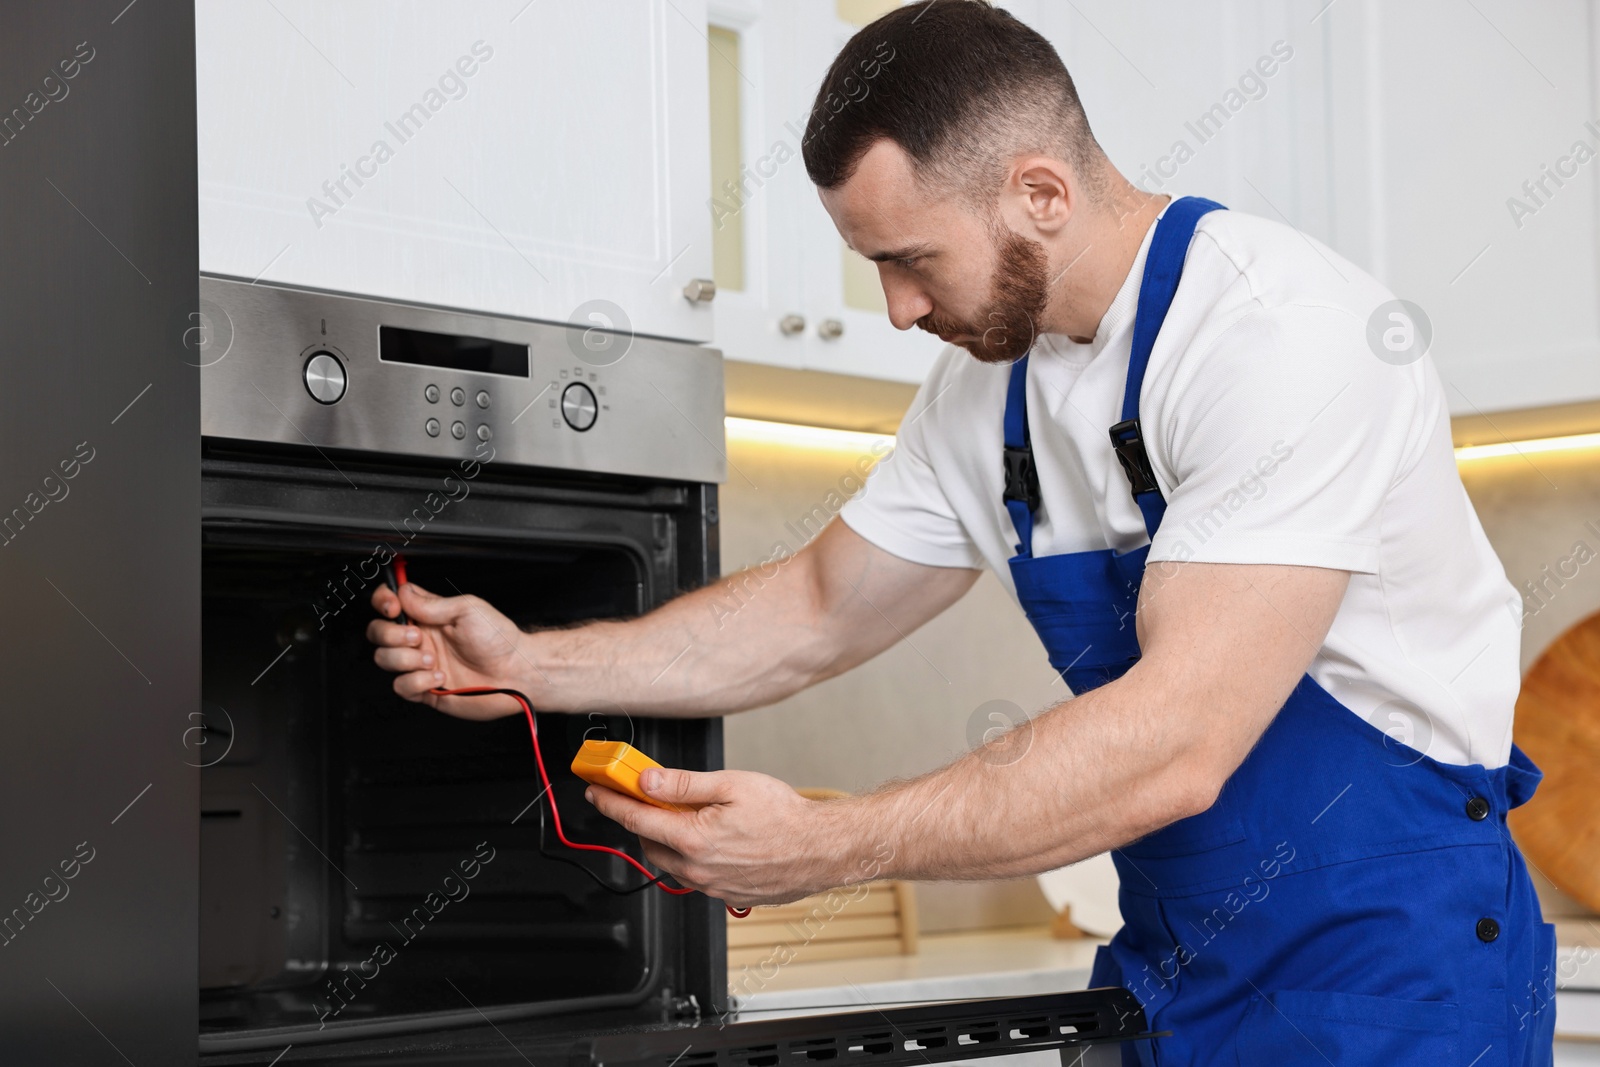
555,813
396,577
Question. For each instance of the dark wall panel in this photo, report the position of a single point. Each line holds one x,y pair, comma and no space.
99,533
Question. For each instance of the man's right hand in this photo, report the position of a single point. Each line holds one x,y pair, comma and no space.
455,642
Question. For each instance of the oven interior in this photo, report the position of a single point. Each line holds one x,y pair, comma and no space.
369,860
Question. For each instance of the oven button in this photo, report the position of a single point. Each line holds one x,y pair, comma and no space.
457,397
324,376
578,406
432,394
483,400
432,426
457,430
484,433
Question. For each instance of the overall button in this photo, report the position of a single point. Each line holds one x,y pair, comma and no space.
457,396
432,426
431,393
484,433
457,430
1488,930
483,399
1477,809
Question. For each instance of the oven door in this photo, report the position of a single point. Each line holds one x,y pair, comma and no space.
1086,1028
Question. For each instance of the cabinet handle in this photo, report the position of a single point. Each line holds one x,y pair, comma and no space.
790,325
700,291
830,329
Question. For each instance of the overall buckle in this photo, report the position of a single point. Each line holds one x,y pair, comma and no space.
1022,478
1128,441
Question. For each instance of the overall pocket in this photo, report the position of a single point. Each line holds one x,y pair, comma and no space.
1302,1028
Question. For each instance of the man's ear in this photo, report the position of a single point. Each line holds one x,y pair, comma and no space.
1044,190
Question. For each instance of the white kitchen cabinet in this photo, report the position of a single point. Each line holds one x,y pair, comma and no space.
528,158
553,161
1400,136
1222,99
1441,113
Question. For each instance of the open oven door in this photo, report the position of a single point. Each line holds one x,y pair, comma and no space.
1086,1028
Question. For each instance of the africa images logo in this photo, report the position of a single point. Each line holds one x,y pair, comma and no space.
1399,332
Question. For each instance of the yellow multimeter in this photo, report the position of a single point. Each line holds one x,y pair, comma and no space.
617,765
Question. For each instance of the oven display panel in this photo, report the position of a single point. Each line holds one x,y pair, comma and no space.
452,351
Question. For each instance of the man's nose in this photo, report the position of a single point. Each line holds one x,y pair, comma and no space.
906,299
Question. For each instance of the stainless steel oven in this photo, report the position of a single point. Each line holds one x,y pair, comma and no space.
378,881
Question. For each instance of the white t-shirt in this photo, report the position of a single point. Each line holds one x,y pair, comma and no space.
1277,437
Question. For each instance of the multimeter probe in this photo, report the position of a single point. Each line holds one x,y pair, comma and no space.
612,764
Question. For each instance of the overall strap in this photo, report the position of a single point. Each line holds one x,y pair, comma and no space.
1163,267
1022,480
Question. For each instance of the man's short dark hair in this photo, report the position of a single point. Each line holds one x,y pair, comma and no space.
962,86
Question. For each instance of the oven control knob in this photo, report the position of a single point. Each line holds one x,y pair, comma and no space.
578,406
324,376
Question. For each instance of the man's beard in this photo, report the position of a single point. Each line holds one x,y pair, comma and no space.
1017,300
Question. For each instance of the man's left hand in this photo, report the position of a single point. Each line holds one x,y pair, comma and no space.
750,839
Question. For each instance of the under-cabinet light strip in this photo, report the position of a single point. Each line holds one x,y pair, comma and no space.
1522,448
796,435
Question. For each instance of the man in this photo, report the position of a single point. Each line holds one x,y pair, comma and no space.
1240,534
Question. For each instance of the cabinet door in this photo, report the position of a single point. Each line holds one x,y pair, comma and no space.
1400,135
1222,99
757,179
1465,153
541,160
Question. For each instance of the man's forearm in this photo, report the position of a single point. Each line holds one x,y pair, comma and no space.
731,645
1091,774
751,639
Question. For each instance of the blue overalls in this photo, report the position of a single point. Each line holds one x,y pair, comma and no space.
1347,900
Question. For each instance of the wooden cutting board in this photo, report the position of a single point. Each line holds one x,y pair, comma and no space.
1558,726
